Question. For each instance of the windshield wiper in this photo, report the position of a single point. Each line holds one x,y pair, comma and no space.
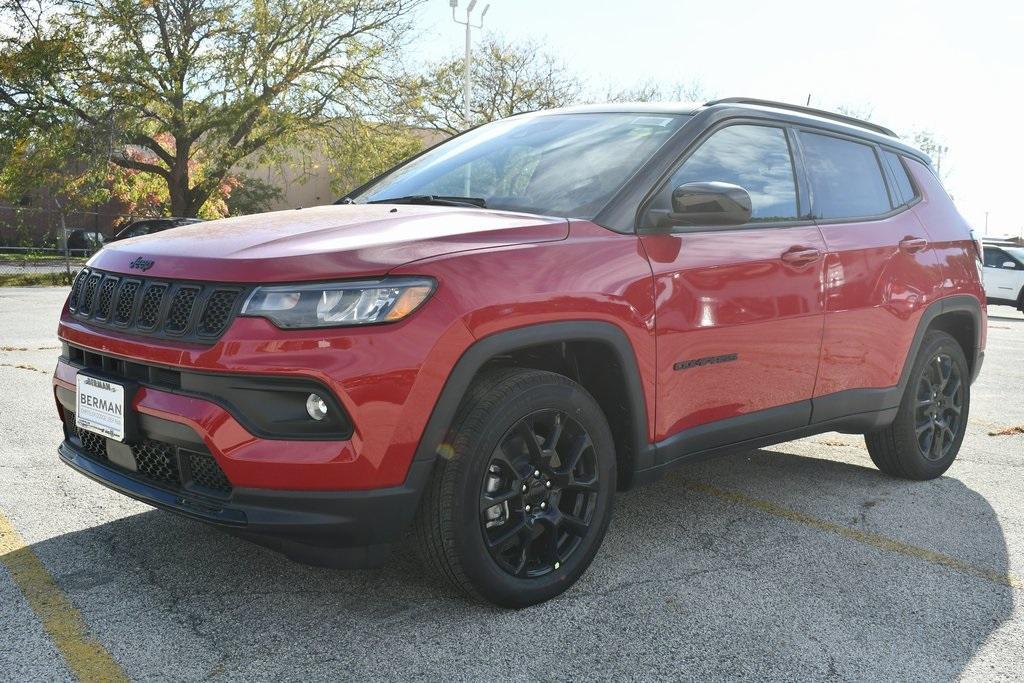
435,200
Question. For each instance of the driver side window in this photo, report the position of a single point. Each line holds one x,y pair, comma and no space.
754,157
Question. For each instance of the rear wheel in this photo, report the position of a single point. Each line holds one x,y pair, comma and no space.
519,510
925,437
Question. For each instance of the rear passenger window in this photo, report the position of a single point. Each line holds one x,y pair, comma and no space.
899,174
846,180
754,157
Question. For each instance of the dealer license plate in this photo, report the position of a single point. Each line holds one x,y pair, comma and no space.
100,406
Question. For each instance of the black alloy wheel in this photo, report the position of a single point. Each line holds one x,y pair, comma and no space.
939,410
925,435
519,503
539,493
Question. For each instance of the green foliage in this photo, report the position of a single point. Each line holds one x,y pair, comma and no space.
362,150
182,90
251,195
35,279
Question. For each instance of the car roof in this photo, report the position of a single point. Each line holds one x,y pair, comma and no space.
782,111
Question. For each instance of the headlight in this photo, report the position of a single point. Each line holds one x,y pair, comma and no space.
336,304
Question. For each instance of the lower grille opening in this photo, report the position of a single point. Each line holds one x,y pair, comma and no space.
157,462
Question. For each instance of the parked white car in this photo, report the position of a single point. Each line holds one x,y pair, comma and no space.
1004,274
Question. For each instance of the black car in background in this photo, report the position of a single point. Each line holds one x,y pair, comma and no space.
148,226
83,242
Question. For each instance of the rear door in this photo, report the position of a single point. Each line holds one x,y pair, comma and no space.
739,309
880,271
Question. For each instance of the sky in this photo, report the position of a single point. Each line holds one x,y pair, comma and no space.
953,68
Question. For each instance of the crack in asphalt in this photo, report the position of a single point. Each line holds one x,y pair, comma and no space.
22,366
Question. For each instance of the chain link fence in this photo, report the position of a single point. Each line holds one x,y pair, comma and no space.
46,247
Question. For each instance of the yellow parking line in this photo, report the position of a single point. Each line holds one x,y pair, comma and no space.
88,660
865,537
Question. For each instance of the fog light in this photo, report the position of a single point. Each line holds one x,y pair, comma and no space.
316,407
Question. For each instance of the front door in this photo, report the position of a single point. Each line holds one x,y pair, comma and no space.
739,309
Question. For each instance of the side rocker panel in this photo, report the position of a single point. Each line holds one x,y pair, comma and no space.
853,411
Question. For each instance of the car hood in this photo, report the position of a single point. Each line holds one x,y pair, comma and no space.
324,242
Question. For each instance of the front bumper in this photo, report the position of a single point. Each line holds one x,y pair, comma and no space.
328,528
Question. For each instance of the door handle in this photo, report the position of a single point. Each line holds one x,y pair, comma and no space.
912,245
800,256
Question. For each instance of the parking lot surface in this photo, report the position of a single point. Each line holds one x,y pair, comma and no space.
799,561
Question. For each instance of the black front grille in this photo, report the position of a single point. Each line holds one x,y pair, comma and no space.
207,473
155,460
92,281
107,288
152,300
217,314
166,465
126,302
160,308
181,310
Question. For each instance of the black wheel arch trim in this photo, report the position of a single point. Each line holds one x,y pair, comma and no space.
957,303
486,348
853,410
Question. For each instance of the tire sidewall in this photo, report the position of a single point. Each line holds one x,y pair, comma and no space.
914,460
492,582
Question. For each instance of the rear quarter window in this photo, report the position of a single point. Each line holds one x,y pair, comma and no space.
899,174
846,180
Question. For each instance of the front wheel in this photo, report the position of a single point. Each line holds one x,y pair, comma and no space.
925,437
519,509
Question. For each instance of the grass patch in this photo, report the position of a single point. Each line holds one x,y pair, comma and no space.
35,279
33,257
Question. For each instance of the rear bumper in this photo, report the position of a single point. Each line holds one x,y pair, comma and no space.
330,528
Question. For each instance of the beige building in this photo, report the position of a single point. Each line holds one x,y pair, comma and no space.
307,181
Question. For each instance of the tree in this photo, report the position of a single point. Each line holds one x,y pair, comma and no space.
225,83
651,91
865,111
363,150
932,145
507,79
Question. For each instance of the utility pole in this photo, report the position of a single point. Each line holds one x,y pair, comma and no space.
939,151
467,83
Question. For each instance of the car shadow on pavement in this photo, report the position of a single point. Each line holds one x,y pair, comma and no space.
713,580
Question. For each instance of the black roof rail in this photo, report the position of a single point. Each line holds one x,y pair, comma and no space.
806,110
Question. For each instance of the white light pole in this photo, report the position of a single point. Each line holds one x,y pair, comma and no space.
467,78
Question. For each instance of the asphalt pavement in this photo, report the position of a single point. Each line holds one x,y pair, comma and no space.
795,562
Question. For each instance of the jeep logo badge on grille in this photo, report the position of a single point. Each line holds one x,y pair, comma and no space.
141,264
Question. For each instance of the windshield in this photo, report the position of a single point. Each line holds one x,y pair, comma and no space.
1016,252
557,165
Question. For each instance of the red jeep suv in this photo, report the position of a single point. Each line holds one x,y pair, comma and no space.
485,343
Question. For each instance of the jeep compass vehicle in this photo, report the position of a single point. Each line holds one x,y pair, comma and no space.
487,342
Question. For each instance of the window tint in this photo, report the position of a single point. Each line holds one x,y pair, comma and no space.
899,174
846,180
995,258
754,157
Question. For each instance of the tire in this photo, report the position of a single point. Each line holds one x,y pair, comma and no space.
531,546
924,439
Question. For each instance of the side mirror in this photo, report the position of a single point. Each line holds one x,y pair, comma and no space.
1009,264
712,204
